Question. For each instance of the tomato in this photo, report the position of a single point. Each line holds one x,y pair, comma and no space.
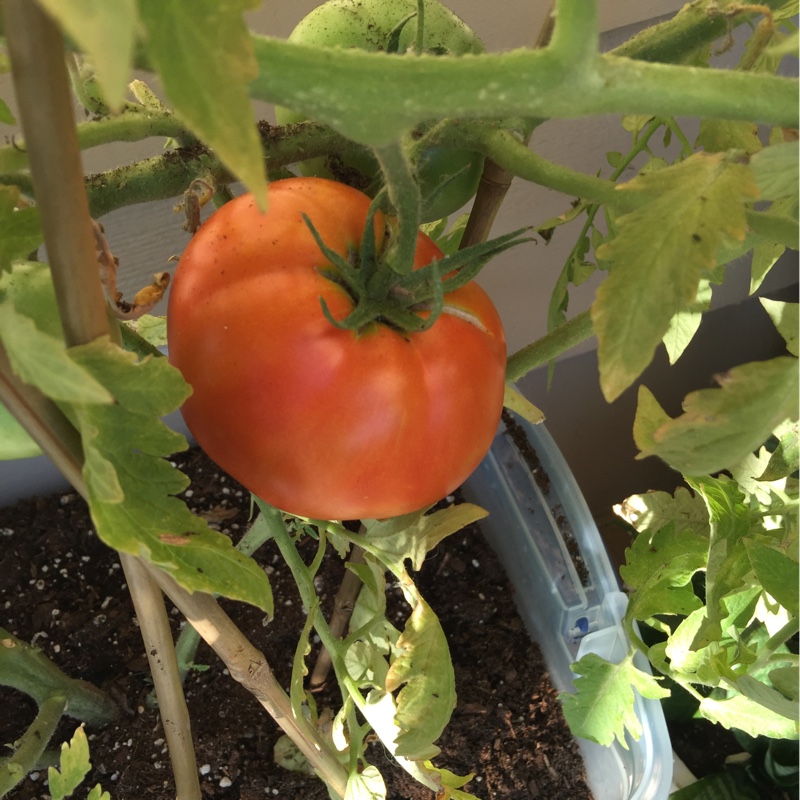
367,24
320,421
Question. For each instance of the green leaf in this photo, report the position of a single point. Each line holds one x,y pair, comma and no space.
655,510
660,253
365,785
106,33
74,765
659,567
6,117
720,426
22,233
97,793
718,135
423,672
768,697
784,460
414,535
679,649
152,329
602,709
776,572
785,318
746,715
14,440
719,786
784,679
776,171
683,326
43,361
765,256
204,55
131,486
517,402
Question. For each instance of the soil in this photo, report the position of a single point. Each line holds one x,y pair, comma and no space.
61,588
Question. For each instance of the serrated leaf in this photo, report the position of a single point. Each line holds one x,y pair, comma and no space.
720,426
719,135
97,793
776,572
776,171
659,567
655,510
602,708
660,253
22,232
74,765
684,325
106,32
746,715
517,402
43,361
785,318
365,785
131,487
683,658
414,535
204,55
423,672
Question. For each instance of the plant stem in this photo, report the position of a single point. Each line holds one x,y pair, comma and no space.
32,744
343,605
550,346
248,666
27,669
405,197
148,603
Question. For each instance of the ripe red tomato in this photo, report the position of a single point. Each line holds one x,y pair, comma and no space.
319,421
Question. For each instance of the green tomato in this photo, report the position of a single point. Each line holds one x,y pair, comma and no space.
368,25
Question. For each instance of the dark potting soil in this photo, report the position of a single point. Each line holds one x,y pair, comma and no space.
61,588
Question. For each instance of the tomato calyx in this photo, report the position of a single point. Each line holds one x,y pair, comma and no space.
409,302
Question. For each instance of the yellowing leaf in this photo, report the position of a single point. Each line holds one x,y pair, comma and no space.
718,135
660,253
786,320
74,765
425,673
719,427
203,53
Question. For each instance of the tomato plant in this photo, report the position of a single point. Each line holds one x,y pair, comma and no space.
448,177
320,421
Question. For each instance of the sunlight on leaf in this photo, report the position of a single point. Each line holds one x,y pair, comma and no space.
365,785
131,487
106,33
74,765
656,510
603,708
785,318
749,716
659,255
203,53
720,426
684,325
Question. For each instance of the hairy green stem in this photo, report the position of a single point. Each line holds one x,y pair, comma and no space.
405,198
32,744
550,346
130,126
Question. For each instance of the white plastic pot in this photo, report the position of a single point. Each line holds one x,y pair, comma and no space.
531,521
